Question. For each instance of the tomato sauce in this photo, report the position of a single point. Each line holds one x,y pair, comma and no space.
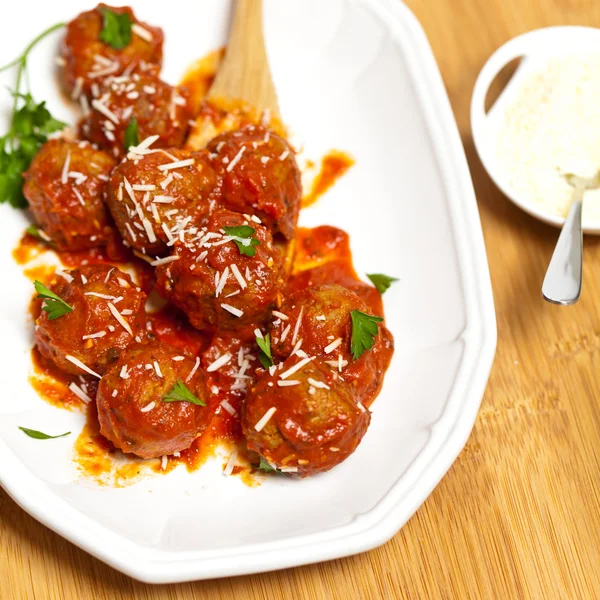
333,166
52,384
28,248
200,76
321,254
316,256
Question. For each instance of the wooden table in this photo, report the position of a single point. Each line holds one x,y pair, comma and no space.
518,515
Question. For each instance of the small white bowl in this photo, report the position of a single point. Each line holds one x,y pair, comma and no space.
534,48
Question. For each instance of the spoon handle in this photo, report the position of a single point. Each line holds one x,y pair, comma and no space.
562,284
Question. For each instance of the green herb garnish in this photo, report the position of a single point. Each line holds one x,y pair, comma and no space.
244,240
364,330
116,28
132,135
30,126
33,231
39,435
266,466
266,360
380,281
53,305
180,393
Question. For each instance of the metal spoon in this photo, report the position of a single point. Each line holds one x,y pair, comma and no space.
562,284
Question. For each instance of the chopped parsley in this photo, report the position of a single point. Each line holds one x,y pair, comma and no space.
243,239
132,135
30,125
265,357
54,305
40,435
33,231
116,28
380,281
266,466
180,393
364,330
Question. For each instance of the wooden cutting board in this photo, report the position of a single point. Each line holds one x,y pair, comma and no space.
518,515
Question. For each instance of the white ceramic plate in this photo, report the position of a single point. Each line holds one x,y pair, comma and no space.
356,75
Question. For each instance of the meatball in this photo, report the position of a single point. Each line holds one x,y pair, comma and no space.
89,60
91,333
316,321
307,426
260,176
215,284
150,205
64,185
141,408
158,109
319,316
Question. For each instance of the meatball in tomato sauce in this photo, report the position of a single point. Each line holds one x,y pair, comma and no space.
92,334
227,277
260,176
90,55
317,321
152,401
141,102
304,423
151,203
64,186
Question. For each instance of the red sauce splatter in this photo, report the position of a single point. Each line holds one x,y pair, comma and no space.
28,248
333,165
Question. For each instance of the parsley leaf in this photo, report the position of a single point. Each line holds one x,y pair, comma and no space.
364,330
180,393
53,305
39,435
380,281
132,135
33,231
266,360
116,28
30,126
244,240
266,466
39,234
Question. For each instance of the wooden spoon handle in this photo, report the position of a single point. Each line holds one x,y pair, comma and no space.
244,73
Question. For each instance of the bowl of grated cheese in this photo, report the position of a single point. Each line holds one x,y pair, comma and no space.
545,125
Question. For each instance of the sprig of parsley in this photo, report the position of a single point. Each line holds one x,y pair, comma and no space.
180,393
244,240
40,435
54,305
265,357
116,28
364,330
381,282
132,134
30,126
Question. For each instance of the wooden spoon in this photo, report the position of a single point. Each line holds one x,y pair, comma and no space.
244,73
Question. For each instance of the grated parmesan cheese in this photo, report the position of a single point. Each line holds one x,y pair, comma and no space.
551,128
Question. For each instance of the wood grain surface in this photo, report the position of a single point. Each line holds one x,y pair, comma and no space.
517,516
